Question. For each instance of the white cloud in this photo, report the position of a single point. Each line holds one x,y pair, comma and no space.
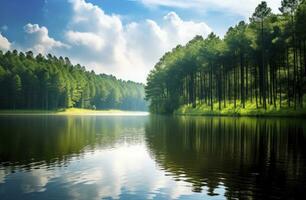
39,41
4,43
86,39
240,7
129,51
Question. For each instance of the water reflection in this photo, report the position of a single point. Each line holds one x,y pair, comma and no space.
26,141
251,158
61,157
113,157
57,157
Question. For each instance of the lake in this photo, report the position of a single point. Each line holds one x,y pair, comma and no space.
151,157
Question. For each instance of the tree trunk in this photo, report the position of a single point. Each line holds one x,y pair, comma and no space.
211,92
242,80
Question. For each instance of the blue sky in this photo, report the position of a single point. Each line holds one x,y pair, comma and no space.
121,37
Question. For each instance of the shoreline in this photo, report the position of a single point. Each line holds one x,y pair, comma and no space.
241,115
248,111
74,112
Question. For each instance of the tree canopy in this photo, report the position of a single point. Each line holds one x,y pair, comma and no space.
48,82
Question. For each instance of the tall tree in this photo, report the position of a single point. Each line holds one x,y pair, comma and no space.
262,11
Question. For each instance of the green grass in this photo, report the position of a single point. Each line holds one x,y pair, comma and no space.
249,110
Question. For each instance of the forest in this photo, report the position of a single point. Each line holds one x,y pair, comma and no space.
49,83
260,63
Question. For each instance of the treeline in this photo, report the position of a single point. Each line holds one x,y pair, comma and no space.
48,82
262,62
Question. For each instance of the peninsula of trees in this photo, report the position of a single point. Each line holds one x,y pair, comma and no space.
49,83
260,65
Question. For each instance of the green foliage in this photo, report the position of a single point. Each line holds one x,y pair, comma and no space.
261,12
230,110
261,63
289,6
28,82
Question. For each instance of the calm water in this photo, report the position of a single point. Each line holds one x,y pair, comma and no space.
151,157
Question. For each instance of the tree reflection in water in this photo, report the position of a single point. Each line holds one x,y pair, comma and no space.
252,158
66,157
27,141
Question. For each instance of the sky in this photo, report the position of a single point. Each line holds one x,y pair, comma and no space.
120,37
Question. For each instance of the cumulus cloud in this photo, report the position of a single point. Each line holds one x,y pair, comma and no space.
86,39
98,38
130,50
38,40
4,43
148,41
240,7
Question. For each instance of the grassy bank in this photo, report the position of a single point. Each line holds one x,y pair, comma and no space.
70,111
249,110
